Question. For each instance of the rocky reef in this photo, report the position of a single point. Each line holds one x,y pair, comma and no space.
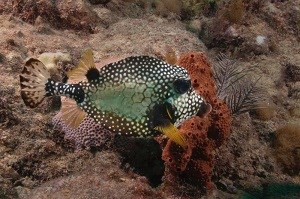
261,154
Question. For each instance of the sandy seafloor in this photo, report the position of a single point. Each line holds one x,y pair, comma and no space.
35,161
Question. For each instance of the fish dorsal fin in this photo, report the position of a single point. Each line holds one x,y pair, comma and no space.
72,115
85,68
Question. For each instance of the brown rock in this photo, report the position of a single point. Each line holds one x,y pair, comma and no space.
287,145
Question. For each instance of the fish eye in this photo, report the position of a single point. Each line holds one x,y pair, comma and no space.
181,86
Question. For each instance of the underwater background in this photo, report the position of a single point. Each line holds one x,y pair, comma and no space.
243,57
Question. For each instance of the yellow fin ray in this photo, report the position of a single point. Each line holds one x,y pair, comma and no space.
173,133
86,62
72,115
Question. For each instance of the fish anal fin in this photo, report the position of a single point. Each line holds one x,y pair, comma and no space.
85,68
72,115
173,133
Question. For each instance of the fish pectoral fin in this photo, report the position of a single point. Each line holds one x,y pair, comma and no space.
72,115
85,68
173,133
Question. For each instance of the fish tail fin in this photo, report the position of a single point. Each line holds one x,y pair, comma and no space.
33,81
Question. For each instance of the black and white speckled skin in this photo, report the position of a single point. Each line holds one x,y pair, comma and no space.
124,94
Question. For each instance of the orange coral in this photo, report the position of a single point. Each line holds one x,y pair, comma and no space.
204,134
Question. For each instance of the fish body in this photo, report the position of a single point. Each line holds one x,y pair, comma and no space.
138,96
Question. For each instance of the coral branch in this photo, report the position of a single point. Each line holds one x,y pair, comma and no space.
235,87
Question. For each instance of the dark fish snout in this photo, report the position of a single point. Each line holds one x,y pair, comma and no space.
204,109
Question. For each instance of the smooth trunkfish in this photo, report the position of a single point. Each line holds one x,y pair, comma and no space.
139,96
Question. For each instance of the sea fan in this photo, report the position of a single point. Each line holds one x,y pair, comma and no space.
234,85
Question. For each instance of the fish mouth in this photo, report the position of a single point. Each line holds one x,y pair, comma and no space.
182,85
204,109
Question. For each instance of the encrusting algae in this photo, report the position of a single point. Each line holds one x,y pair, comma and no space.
138,96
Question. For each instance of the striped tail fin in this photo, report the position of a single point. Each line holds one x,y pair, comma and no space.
33,78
